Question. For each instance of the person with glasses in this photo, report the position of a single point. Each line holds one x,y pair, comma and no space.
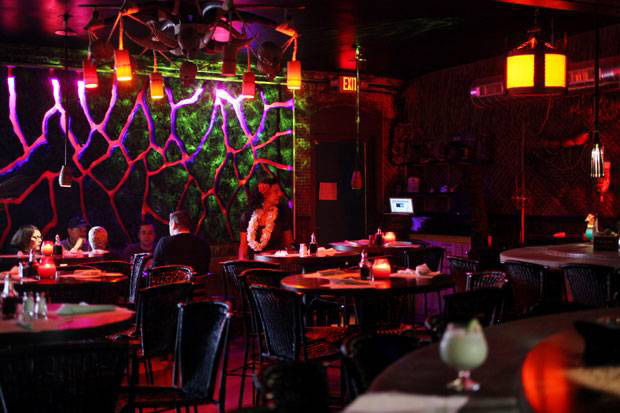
26,239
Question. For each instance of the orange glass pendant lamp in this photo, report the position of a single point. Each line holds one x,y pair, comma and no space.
156,81
536,68
89,71
293,75
122,60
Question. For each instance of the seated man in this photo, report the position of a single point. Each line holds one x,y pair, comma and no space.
146,241
76,235
182,247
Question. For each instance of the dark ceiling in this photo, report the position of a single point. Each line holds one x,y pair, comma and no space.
403,38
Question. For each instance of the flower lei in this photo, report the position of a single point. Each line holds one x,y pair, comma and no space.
272,214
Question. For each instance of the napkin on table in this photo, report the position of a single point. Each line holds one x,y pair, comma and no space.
422,270
71,309
395,402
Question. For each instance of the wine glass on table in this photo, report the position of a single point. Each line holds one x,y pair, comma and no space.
464,348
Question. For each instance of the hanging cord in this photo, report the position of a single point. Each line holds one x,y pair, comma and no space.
64,95
597,42
249,62
154,61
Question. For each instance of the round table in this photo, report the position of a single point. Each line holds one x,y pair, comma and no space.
390,248
65,327
310,262
554,256
366,294
75,287
422,372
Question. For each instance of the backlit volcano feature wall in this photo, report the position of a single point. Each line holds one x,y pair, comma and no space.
199,148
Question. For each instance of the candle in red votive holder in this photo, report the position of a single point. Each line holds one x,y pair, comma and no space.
47,268
47,248
381,268
389,237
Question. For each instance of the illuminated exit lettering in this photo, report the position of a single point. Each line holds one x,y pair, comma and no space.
347,84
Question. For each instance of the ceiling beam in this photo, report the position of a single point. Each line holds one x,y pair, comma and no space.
600,7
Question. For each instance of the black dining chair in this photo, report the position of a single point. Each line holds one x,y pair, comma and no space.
459,267
482,279
285,336
62,376
527,281
485,304
137,278
169,274
289,387
592,285
365,356
158,320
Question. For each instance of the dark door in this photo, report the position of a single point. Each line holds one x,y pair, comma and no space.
343,217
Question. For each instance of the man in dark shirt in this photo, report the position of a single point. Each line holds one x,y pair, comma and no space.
182,247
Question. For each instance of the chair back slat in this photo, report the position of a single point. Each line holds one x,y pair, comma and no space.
459,267
528,284
137,280
486,279
279,312
201,345
169,274
592,285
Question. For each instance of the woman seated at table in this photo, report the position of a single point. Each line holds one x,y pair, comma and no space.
266,225
26,239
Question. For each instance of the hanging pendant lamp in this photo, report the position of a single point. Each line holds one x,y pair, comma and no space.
65,177
536,67
293,69
597,165
248,87
156,81
356,178
90,77
122,60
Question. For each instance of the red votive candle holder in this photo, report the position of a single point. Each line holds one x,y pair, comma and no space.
47,248
381,268
389,237
47,268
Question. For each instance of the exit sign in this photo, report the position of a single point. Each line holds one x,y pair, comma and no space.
347,84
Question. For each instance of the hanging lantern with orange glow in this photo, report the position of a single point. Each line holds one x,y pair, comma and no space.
597,165
156,81
536,68
91,79
122,60
229,60
248,87
293,75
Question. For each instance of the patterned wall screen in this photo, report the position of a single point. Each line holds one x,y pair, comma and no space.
199,148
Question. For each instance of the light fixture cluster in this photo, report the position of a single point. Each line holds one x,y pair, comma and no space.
123,68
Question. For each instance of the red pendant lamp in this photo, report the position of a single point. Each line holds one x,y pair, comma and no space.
90,77
156,81
248,87
229,60
122,60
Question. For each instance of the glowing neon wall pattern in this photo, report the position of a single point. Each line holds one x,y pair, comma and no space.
199,149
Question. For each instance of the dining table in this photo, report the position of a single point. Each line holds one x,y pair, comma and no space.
555,256
89,285
367,295
523,370
324,258
65,322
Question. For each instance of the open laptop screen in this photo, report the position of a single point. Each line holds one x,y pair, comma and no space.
401,206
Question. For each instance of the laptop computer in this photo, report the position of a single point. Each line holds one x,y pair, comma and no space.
402,206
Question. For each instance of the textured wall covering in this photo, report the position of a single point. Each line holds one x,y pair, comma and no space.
438,106
199,148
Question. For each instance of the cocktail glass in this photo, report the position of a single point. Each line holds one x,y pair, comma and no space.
464,348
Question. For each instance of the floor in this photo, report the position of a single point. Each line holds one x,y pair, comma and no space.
163,369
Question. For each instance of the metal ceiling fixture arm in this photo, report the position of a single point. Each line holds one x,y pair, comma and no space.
66,76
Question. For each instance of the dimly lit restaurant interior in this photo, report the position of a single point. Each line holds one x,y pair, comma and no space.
309,206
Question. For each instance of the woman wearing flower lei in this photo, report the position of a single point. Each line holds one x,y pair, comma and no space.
266,224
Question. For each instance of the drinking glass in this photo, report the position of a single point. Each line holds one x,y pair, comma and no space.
464,348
